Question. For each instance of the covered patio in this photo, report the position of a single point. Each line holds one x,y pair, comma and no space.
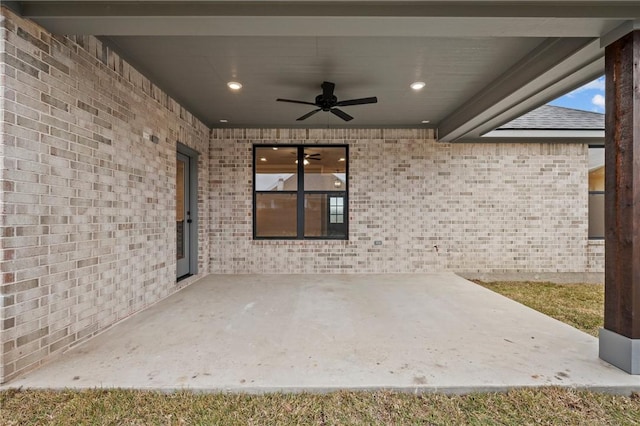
134,136
294,333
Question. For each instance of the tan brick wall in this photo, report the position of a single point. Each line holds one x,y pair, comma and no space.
88,199
595,256
460,207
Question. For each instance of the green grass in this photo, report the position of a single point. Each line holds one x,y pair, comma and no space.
550,406
579,305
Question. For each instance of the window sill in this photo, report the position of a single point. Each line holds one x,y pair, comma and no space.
299,242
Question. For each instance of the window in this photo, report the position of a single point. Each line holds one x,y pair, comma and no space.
596,192
336,210
300,192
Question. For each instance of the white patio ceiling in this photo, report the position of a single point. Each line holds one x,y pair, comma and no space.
483,62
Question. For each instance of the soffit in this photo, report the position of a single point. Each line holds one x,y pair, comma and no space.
196,70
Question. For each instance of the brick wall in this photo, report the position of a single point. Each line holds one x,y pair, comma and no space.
461,207
87,197
595,256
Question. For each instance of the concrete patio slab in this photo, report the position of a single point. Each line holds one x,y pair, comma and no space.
260,333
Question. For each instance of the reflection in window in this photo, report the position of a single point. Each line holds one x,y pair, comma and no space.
336,210
596,192
276,169
180,209
276,215
325,171
324,216
300,192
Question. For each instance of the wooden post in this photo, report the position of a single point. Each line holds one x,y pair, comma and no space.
620,338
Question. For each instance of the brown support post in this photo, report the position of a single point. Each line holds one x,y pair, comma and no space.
620,338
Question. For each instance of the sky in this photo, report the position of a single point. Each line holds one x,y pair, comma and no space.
589,97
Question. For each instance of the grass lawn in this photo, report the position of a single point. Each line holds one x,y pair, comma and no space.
578,305
550,406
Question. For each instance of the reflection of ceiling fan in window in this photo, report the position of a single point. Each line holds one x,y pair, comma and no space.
307,157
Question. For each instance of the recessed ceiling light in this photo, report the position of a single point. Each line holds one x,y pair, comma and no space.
234,85
224,120
425,121
418,85
263,159
341,159
275,148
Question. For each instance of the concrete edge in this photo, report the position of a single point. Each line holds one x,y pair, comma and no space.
623,390
620,351
554,277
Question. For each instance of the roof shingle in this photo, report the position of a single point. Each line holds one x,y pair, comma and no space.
549,117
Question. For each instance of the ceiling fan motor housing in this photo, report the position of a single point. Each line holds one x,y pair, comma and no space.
326,103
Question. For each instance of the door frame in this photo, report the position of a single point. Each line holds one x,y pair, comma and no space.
193,206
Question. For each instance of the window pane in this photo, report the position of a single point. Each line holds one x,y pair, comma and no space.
276,215
596,215
318,220
325,169
596,192
180,209
596,169
180,239
276,169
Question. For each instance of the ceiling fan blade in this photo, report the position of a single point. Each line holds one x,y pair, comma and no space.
309,156
327,89
341,114
307,115
295,102
361,101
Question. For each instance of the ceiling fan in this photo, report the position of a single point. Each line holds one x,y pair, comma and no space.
327,101
316,157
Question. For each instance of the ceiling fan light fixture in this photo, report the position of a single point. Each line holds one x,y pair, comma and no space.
337,182
234,85
418,85
305,162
